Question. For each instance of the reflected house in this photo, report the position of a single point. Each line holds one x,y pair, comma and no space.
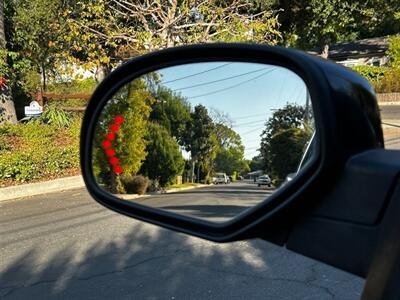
255,174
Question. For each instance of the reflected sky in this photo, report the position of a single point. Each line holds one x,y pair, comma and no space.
248,92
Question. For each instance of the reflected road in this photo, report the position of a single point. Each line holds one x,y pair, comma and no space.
216,203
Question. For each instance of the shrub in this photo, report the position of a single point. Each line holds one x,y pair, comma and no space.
134,184
153,186
34,151
67,103
394,51
283,161
164,160
372,73
56,117
383,79
389,83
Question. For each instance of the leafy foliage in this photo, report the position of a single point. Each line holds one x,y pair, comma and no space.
164,160
76,86
394,51
25,153
37,33
91,36
201,141
106,32
230,154
283,141
291,115
287,147
133,102
371,73
230,161
172,112
383,79
315,23
56,117
256,163
390,82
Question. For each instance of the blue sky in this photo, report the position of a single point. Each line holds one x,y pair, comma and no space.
247,92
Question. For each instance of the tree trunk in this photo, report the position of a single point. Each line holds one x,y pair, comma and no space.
44,79
113,183
101,72
192,172
7,109
198,173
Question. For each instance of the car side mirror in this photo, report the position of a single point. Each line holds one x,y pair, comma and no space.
191,113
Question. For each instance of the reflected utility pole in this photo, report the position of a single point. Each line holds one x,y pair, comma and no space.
307,112
192,175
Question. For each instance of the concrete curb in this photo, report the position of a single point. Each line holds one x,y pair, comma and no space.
32,189
187,188
67,183
136,196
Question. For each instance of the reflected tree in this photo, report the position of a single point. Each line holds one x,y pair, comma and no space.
230,154
286,150
164,160
172,111
128,144
201,142
284,139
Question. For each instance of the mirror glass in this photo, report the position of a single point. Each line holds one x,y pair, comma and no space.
206,140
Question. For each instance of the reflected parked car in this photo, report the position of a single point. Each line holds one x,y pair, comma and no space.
264,180
221,178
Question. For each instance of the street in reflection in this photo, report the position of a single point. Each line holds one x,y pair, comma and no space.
216,203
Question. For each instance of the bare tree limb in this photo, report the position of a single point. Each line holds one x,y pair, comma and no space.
196,24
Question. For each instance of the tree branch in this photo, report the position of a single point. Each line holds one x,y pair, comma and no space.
195,24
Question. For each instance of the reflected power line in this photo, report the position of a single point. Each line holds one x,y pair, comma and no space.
195,74
232,86
217,80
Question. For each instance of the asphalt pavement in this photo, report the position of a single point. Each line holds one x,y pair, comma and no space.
390,112
215,203
390,115
66,246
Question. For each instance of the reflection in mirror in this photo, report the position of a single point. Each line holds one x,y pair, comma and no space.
206,140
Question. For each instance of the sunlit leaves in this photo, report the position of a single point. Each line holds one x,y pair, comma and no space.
315,23
105,32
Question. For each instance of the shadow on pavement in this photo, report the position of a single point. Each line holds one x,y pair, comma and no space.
207,211
151,263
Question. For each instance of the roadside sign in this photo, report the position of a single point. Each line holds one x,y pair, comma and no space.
34,109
